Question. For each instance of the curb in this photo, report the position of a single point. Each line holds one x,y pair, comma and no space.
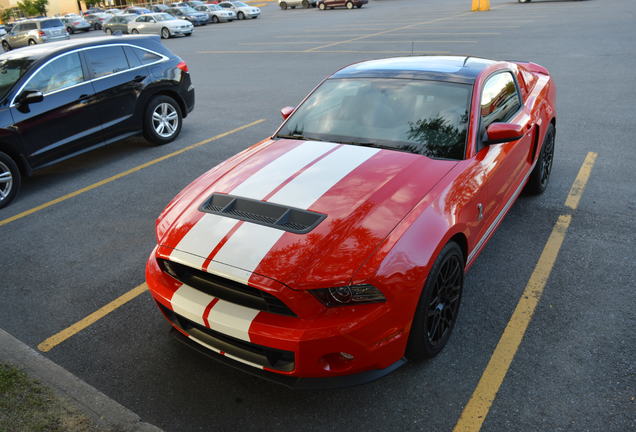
94,404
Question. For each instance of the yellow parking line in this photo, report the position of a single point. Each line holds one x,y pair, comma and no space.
581,180
124,174
100,313
477,408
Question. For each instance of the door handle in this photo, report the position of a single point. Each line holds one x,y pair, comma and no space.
139,78
83,98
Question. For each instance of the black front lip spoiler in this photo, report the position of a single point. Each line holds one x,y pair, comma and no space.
290,381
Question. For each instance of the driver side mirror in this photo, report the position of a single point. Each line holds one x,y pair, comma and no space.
498,133
286,112
28,97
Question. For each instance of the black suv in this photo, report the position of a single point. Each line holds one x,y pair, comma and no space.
61,99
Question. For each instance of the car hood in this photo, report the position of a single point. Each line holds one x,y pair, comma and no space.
361,194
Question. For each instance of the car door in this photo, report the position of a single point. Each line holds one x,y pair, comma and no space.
509,162
118,83
150,26
66,120
139,24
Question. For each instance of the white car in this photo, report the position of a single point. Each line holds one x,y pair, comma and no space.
162,24
284,4
242,10
217,13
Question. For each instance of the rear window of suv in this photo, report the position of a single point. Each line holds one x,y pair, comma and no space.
51,23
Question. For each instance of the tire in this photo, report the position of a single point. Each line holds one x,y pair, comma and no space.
540,176
293,7
10,179
283,5
349,5
108,31
305,4
322,6
6,46
165,33
134,31
70,30
31,42
359,6
438,307
240,16
156,112
215,19
525,1
188,34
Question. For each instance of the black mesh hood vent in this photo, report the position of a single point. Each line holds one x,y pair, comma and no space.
263,213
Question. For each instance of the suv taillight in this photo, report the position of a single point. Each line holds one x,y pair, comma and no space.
183,66
41,33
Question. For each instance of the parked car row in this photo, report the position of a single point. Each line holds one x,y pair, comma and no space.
321,4
190,10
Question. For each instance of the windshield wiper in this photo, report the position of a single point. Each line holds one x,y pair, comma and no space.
298,137
367,144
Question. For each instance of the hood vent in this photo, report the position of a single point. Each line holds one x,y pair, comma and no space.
263,213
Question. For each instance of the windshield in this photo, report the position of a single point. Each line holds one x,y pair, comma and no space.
164,17
10,71
239,4
423,117
214,7
188,9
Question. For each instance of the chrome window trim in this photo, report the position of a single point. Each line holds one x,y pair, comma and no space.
163,59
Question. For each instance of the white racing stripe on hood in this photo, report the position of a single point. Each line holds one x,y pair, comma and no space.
203,237
247,247
276,172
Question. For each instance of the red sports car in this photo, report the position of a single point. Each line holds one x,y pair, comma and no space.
332,251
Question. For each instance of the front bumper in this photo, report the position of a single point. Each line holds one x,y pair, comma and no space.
181,32
353,344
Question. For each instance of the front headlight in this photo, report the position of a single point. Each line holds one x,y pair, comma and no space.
348,295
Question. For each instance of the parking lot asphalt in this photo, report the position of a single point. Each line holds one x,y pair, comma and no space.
574,370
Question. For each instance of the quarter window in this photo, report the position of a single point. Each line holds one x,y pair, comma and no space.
106,61
63,72
146,57
499,99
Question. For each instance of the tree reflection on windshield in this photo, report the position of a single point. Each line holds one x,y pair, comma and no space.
438,136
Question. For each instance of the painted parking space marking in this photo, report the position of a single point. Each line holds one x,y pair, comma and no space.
125,173
364,41
479,404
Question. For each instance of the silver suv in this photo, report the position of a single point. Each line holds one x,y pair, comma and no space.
35,31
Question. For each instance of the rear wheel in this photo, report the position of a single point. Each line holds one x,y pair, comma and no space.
359,6
165,33
438,306
135,31
283,5
322,6
31,42
215,19
540,176
349,5
241,16
10,179
163,120
70,30
109,31
305,4
6,46
524,1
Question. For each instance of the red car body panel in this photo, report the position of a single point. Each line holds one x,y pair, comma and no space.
389,214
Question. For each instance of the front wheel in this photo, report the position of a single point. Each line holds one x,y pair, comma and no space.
5,46
349,5
215,19
322,6
438,306
31,42
241,16
305,4
10,179
524,1
283,5
135,31
70,30
165,33
163,120
108,31
540,176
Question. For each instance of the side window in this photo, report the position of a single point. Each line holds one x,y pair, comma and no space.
499,99
105,61
141,19
17,29
146,57
133,59
62,72
29,26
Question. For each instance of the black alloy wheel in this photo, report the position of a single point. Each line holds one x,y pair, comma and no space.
438,307
540,176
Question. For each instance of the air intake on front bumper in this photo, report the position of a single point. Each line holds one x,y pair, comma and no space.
263,213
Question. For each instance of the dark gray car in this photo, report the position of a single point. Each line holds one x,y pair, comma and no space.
118,23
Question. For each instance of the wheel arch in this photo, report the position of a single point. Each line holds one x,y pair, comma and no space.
174,95
10,149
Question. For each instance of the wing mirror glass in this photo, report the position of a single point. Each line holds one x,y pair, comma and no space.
286,112
498,133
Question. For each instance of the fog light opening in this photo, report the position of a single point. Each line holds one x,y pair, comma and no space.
337,362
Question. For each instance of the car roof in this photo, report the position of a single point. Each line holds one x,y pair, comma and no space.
461,69
40,51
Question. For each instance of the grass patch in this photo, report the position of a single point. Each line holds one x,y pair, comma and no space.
28,406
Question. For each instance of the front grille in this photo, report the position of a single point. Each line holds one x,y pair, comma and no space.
258,354
263,213
225,289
